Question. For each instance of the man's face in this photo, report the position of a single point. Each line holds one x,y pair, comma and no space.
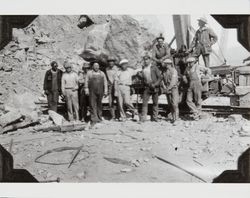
96,66
191,64
160,42
111,64
54,66
85,69
68,69
146,61
124,66
169,66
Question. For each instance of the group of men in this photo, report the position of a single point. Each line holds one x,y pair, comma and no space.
158,73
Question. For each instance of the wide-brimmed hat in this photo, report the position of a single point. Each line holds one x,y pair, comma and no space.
123,61
168,61
202,19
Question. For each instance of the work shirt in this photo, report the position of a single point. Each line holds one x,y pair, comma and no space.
81,77
93,74
69,81
125,77
147,74
54,86
111,73
204,36
196,72
160,52
170,78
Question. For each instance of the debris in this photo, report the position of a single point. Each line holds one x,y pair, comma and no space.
10,117
235,118
81,175
51,181
126,170
62,128
198,162
118,161
136,163
245,129
180,168
57,118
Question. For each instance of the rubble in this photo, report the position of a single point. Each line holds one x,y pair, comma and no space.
57,118
235,118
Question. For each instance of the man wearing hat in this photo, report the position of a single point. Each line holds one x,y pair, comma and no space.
111,72
192,76
151,76
170,84
203,40
83,98
123,83
70,91
161,51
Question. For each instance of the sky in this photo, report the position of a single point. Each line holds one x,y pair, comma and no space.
227,45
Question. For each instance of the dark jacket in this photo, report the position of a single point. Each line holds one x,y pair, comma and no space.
47,85
156,76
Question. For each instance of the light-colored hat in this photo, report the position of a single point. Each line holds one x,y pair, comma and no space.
168,61
202,19
191,59
67,64
111,58
123,61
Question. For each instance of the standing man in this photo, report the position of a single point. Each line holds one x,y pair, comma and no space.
170,84
96,87
161,51
203,40
70,91
83,98
151,76
123,84
111,72
52,85
192,76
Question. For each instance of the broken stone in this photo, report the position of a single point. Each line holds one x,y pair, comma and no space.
57,118
235,118
81,175
126,170
20,55
135,163
146,160
245,129
10,117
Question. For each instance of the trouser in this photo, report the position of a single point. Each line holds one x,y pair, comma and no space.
173,102
112,98
84,102
95,99
124,99
72,104
194,96
145,98
52,99
200,50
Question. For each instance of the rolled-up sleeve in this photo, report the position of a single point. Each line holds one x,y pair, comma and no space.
86,83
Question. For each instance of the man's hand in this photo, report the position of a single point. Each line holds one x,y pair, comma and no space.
105,95
46,92
87,92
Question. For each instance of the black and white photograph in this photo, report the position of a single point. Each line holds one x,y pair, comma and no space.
94,98
125,98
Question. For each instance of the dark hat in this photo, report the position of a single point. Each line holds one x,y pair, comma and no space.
111,59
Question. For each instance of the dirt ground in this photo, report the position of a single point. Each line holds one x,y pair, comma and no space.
205,147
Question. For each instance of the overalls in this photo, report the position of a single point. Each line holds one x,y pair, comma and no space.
96,91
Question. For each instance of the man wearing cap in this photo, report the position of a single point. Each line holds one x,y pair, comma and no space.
83,98
96,87
70,91
203,40
52,85
192,76
151,76
123,82
111,72
170,85
161,51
